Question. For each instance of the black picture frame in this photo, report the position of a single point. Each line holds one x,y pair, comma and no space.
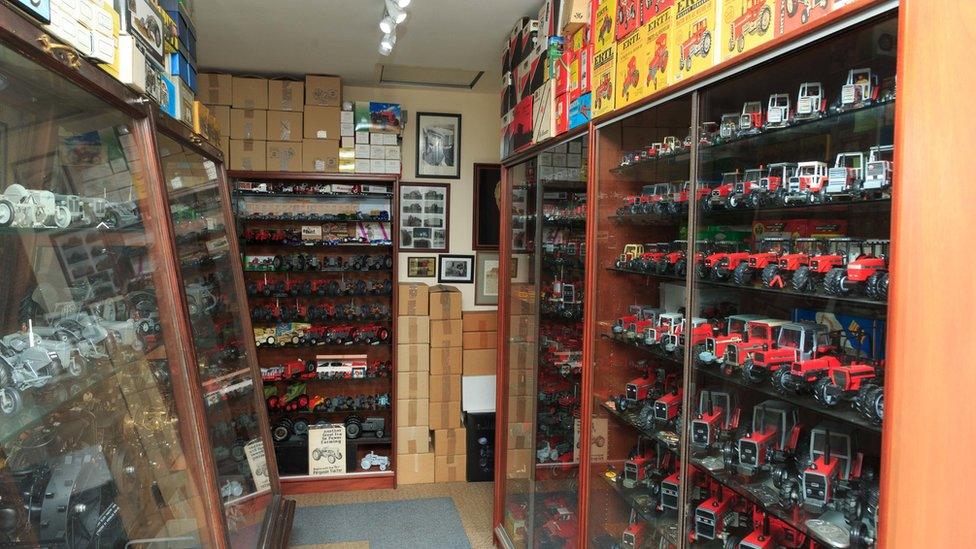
487,216
427,230
434,160
446,269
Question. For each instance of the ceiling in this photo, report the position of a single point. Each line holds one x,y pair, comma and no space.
342,36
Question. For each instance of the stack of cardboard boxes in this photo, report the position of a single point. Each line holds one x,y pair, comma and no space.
445,383
415,458
524,354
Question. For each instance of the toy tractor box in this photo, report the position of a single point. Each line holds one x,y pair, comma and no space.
745,25
580,110
378,117
630,69
604,17
582,54
604,74
544,111
628,18
657,51
794,14
522,134
859,336
695,37
507,145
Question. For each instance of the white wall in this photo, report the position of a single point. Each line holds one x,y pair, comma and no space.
480,130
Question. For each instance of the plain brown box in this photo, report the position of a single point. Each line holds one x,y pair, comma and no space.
445,302
444,388
520,383
520,408
413,299
445,415
445,360
479,362
323,91
450,468
413,357
250,93
320,155
479,321
413,385
479,340
249,124
523,328
215,89
321,122
222,114
520,435
285,126
516,461
284,156
450,442
413,329
415,468
413,413
524,356
248,155
286,95
445,333
225,147
413,440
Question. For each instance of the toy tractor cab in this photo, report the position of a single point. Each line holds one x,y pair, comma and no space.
735,331
860,90
728,127
745,189
867,274
770,250
720,195
774,428
808,185
878,171
779,113
846,178
810,101
832,460
718,413
797,341
751,120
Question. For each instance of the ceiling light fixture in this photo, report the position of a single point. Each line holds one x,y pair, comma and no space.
396,12
393,15
387,25
403,3
387,43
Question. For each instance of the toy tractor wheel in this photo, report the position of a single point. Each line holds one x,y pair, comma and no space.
701,270
353,428
721,270
877,286
790,6
382,466
826,392
741,43
77,365
769,273
380,433
6,213
11,401
706,204
802,279
877,404
680,267
781,380
765,17
831,282
805,16
752,373
706,44
743,274
756,200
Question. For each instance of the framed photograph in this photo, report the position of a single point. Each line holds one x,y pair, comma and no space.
422,267
424,218
486,289
457,269
487,196
438,145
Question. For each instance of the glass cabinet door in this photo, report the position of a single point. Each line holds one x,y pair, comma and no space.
196,206
639,318
791,260
92,450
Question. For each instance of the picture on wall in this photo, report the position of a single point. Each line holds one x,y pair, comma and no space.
486,290
422,267
424,218
487,189
457,269
438,145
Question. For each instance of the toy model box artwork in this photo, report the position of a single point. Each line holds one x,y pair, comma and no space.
657,57
745,25
695,37
378,117
604,76
631,70
793,14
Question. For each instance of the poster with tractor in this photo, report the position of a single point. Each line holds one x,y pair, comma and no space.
746,24
658,56
630,68
603,78
695,37
794,14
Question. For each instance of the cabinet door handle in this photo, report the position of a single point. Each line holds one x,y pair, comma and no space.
65,54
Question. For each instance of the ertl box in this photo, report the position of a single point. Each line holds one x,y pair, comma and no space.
604,75
630,69
628,18
748,24
604,14
695,36
792,15
658,51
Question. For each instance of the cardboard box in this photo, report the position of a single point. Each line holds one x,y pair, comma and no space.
445,360
604,74
450,468
445,333
630,22
631,70
222,114
248,155
413,358
692,23
224,146
285,126
412,413
215,89
604,17
323,91
445,302
413,329
415,468
286,95
284,156
250,93
450,442
480,340
658,53
480,362
521,408
249,124
413,385
575,15
412,298
446,388
321,122
524,356
479,321
579,110
320,155
750,24
413,440
517,463
523,328
445,415
521,383
520,435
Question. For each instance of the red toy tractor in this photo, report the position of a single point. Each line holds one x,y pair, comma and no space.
775,427
770,250
718,255
867,273
718,417
673,262
713,347
699,43
718,197
659,63
604,92
797,342
760,335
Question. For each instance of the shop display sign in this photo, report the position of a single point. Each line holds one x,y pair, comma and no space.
657,55
254,451
745,25
604,75
695,37
793,14
326,449
603,18
630,69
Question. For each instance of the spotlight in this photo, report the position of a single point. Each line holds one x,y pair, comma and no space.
403,3
396,12
385,51
387,43
387,24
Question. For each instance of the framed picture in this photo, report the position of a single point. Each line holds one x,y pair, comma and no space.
458,269
422,266
424,219
487,195
438,145
486,289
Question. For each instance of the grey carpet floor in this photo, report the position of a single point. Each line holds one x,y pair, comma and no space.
433,522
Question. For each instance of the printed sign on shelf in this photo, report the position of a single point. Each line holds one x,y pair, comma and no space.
326,450
746,24
630,69
254,452
657,52
695,36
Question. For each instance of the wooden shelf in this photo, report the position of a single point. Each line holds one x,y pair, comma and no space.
314,176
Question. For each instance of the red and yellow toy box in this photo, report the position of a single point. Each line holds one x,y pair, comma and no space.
650,9
793,14
628,18
745,25
694,37
604,76
658,49
604,13
630,69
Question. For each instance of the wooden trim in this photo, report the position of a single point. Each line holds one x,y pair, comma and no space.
395,313
277,529
188,138
501,366
313,176
534,150
478,168
307,485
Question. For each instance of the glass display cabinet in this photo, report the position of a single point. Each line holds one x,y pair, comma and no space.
545,248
